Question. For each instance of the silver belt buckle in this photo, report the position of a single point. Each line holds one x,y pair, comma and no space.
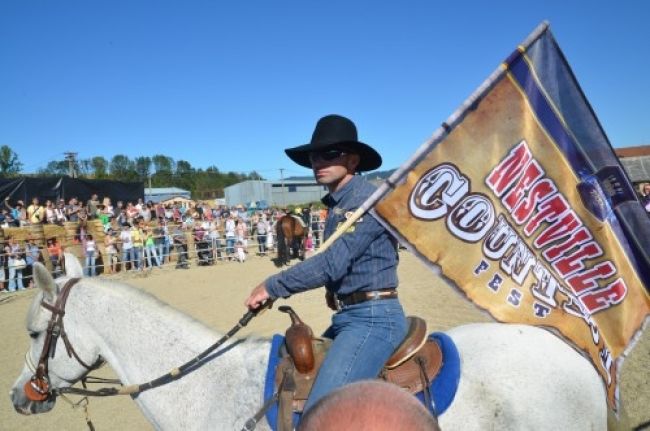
339,303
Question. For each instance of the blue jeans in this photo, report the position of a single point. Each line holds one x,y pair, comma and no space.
230,246
150,251
261,242
90,264
162,252
365,335
128,256
15,279
138,256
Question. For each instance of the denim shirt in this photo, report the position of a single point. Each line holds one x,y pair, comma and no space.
364,258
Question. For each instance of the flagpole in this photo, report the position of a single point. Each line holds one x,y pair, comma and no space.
445,129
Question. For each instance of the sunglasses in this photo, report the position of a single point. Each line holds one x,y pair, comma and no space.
326,156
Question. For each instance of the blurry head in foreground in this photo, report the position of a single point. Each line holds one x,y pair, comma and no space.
368,405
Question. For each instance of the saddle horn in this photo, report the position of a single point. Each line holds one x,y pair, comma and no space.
298,339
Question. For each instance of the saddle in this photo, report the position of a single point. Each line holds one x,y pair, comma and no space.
413,365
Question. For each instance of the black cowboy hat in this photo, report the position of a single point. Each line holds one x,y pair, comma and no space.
336,132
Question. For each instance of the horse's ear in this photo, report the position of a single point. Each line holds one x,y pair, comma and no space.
72,266
43,280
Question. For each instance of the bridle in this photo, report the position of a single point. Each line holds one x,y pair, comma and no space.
38,387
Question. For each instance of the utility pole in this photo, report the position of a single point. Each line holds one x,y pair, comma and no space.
284,199
72,162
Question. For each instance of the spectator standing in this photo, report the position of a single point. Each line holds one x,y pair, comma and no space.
161,241
117,210
160,212
32,255
241,252
3,269
315,226
82,214
72,210
35,212
180,244
215,240
110,244
122,218
108,208
103,217
138,244
261,230
176,214
55,253
127,246
18,214
269,234
132,212
93,206
50,216
5,219
230,236
309,242
150,248
91,256
242,233
16,263
60,216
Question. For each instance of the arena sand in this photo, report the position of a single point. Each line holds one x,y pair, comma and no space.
215,296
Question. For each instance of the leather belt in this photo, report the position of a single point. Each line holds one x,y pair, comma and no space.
358,297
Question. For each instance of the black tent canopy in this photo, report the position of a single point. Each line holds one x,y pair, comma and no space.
54,188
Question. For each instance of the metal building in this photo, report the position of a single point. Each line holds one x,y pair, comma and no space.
274,193
158,194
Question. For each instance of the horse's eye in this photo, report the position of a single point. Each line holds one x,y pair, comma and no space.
33,335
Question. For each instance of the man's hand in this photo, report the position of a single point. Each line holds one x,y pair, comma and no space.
257,297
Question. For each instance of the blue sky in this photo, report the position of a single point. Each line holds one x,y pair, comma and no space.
232,84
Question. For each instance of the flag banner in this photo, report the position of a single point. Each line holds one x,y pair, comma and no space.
521,202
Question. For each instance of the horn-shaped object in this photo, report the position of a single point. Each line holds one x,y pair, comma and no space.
298,339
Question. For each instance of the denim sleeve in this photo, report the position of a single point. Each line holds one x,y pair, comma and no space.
329,266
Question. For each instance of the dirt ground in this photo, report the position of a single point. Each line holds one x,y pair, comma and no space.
215,296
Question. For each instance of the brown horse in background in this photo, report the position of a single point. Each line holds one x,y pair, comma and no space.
290,234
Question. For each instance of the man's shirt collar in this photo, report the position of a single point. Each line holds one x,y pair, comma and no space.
334,198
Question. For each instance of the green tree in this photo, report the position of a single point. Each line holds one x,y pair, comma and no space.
183,167
55,168
143,167
83,168
99,167
9,163
122,168
163,164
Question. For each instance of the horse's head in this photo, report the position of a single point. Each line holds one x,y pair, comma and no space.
50,362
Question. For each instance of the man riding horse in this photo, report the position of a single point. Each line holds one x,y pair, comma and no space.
359,270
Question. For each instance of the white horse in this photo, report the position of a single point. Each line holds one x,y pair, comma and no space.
512,377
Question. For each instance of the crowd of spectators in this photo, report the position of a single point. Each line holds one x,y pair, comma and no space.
139,236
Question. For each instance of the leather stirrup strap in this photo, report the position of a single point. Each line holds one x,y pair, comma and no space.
426,388
285,407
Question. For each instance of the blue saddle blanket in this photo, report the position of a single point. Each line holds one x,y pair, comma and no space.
443,388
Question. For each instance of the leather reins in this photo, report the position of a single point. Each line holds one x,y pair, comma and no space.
38,388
